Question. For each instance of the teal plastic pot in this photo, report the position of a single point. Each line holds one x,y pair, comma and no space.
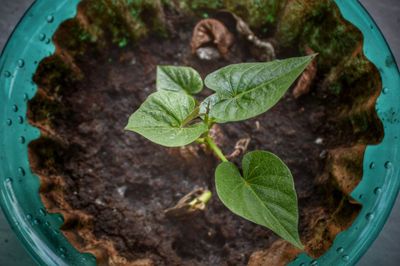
40,232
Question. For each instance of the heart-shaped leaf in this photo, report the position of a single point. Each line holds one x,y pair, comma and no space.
249,89
179,79
264,194
165,117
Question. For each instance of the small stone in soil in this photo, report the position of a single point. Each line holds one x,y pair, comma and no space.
98,201
207,53
121,190
319,141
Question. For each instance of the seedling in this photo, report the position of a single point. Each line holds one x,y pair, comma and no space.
263,192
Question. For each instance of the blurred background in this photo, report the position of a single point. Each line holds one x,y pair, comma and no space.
385,250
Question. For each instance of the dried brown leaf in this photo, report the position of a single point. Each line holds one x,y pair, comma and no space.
303,85
212,31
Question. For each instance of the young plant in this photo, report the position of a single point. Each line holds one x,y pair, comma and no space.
263,192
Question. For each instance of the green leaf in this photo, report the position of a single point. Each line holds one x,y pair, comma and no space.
179,79
165,117
264,194
249,89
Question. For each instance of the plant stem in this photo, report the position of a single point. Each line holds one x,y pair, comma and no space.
203,198
191,116
210,142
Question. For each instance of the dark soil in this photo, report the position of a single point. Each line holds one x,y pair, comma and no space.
126,182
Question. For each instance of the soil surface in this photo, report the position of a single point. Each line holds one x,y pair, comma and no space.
126,182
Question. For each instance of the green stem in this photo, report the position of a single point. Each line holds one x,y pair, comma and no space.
200,140
204,198
210,142
194,114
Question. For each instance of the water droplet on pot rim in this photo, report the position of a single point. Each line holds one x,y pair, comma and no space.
388,165
50,18
385,90
42,37
369,216
21,63
21,171
377,190
42,212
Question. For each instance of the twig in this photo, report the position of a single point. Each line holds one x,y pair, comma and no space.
240,148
